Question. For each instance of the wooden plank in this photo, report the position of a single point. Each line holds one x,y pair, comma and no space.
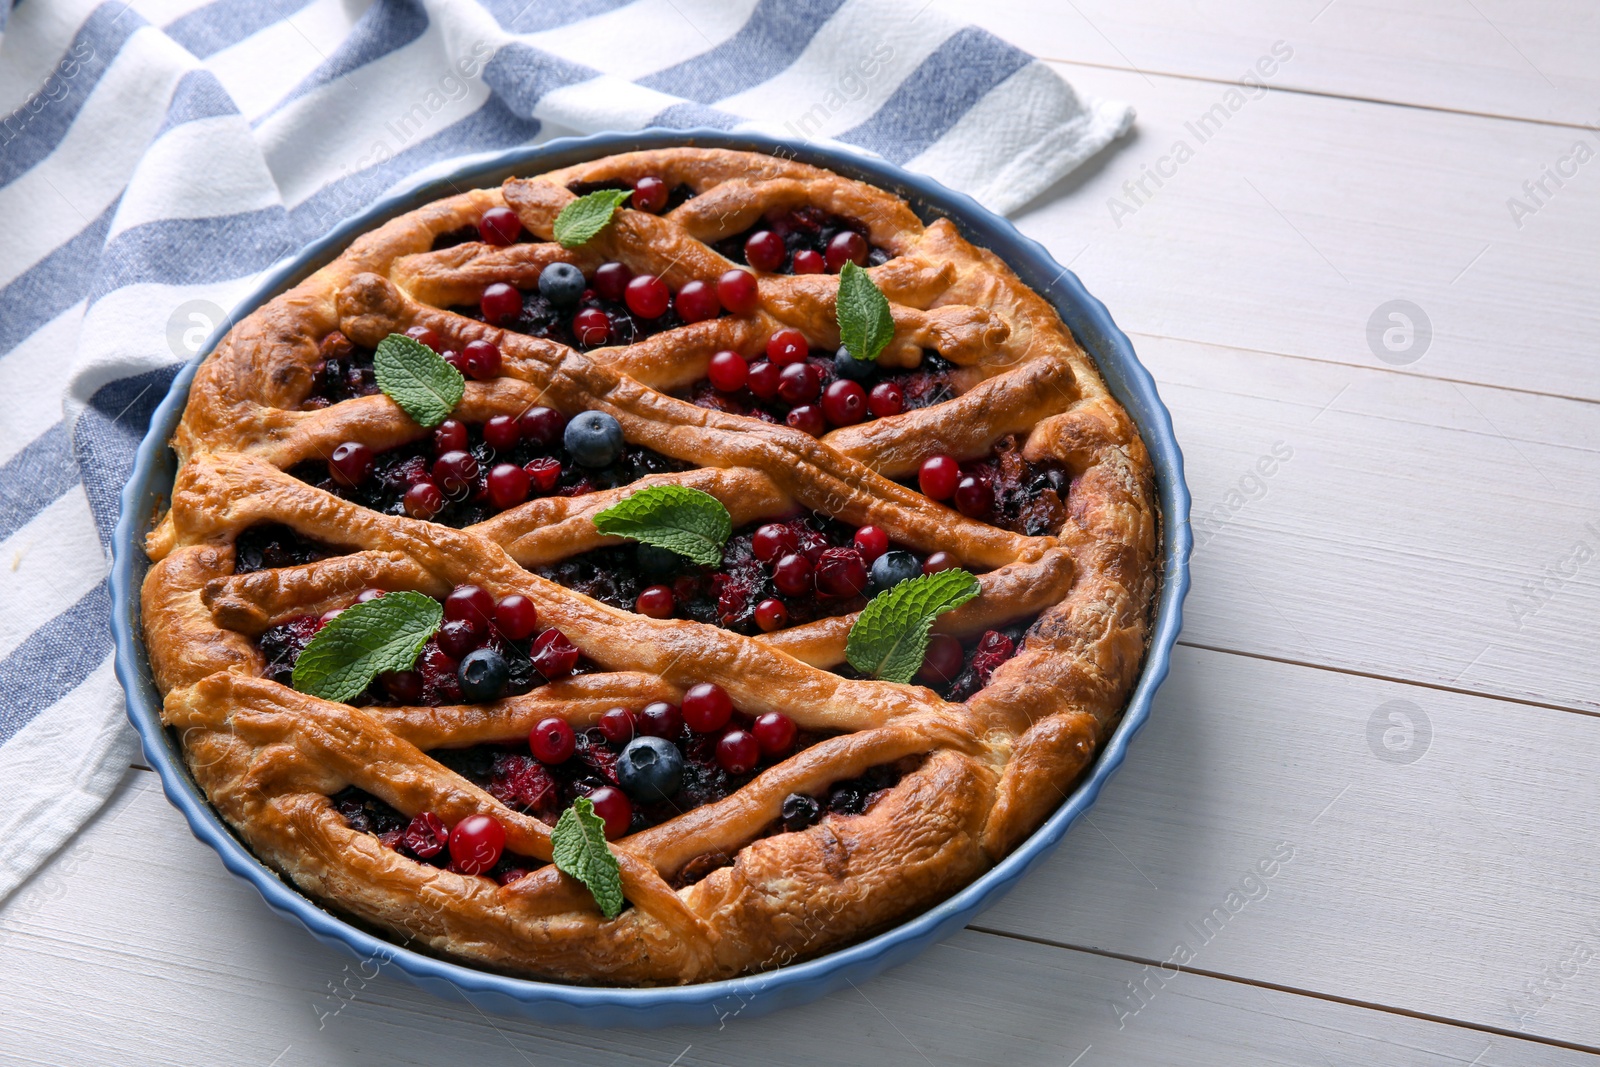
182,964
1494,57
1291,221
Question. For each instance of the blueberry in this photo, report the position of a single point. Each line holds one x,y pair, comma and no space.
650,768
561,284
658,562
483,675
594,439
799,811
892,568
847,366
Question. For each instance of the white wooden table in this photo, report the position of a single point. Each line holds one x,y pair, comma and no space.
1362,823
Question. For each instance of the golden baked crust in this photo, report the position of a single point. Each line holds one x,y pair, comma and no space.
268,757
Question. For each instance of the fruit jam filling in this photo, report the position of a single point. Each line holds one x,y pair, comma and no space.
804,240
957,669
813,390
475,846
773,575
462,473
1003,488
268,546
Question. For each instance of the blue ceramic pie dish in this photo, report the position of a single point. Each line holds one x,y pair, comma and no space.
706,1003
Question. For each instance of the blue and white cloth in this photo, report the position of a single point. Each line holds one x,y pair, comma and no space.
156,157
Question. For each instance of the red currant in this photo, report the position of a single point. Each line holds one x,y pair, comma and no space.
457,637
649,194
738,752
771,615
456,360
799,383
611,280
552,740
845,403
886,398
939,561
499,226
706,708
366,596
508,485
840,572
647,296
471,605
403,687
809,262
656,602
871,542
738,292
938,477
763,379
516,616
502,433
350,464
661,719
774,733
943,660
542,426
786,346
456,473
614,809
483,360
425,335
697,301
591,327
423,500
617,726
476,844
727,371
974,498
553,655
792,575
847,246
807,419
501,304
449,436
773,540
765,250
544,473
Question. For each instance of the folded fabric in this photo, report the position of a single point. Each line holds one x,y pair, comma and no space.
156,158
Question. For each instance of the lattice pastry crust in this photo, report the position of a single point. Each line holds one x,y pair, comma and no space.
268,757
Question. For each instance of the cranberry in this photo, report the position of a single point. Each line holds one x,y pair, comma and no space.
403,687
706,708
841,573
771,615
483,360
501,304
799,383
939,561
455,472
476,844
499,226
792,575
553,655
591,327
763,379
649,194
425,335
974,498
727,371
809,262
738,292
611,280
368,595
426,837
656,602
617,726
647,296
847,246
845,403
455,359
938,477
437,667
697,301
738,752
807,418
516,616
472,605
774,733
542,426
502,433
350,464
773,540
508,485
871,542
552,740
328,616
614,809
661,719
886,398
457,637
787,345
764,250
544,473
942,662
449,436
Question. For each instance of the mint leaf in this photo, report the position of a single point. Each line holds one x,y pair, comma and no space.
578,847
865,324
365,640
586,216
418,379
890,636
686,521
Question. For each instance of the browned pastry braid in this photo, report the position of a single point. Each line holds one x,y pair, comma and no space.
987,771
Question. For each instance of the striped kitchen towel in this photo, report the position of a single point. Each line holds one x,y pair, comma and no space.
156,157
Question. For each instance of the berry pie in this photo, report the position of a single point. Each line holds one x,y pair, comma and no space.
708,500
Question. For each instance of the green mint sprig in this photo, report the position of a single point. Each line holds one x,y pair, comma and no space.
578,847
865,323
586,216
363,641
890,636
675,517
418,379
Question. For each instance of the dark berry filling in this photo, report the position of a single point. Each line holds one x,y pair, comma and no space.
267,546
1003,488
958,669
677,196
424,838
343,372
800,230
